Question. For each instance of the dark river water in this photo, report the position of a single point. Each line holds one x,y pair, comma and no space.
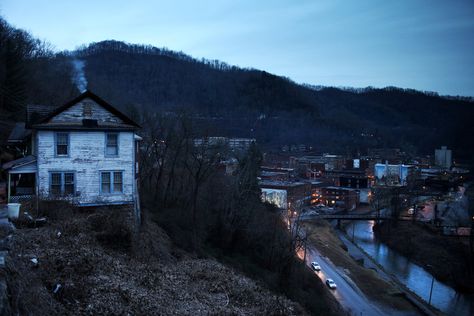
412,275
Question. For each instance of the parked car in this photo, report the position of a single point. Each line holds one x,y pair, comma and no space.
315,266
331,284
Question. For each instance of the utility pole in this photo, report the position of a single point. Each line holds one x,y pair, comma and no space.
432,283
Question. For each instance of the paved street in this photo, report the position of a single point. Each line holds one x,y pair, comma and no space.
347,293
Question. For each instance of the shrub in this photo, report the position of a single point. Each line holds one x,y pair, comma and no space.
117,233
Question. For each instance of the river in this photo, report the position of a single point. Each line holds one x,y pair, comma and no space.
412,275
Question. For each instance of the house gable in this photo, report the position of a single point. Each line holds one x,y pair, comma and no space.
85,112
86,109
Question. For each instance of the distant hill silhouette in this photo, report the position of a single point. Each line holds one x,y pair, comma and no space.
228,100
249,102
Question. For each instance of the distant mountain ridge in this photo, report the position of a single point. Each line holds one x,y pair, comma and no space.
228,100
332,118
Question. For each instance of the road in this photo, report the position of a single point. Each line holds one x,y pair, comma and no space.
347,293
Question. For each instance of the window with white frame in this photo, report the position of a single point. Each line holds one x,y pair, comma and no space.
62,144
61,183
111,182
111,144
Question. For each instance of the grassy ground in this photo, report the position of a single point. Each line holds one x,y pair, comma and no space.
326,241
447,258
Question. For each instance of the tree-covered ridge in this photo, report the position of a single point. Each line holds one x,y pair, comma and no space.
30,72
275,110
230,100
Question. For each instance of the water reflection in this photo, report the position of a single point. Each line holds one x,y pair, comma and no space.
413,276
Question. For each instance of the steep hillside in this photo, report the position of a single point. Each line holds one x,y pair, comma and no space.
88,263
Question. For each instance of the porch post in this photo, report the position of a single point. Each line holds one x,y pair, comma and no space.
8,188
36,192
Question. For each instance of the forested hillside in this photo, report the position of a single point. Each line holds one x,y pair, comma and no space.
275,110
228,100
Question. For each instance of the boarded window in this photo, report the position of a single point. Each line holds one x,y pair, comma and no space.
62,142
87,109
111,144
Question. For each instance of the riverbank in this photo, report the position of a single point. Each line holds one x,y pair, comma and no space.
325,239
447,258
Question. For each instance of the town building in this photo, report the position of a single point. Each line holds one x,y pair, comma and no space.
393,174
443,157
297,194
234,144
345,198
84,151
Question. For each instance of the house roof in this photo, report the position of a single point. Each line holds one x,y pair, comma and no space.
18,162
127,122
19,133
37,112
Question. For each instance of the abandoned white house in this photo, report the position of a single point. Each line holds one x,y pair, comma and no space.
84,151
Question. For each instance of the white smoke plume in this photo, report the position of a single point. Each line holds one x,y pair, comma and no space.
78,74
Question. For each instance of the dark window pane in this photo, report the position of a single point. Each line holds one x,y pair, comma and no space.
105,182
62,144
112,144
55,184
69,183
117,182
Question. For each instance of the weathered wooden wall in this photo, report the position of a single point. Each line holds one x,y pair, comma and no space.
75,114
87,159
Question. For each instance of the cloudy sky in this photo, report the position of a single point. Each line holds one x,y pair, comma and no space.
421,44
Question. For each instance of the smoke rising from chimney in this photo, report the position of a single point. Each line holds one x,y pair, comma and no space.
78,74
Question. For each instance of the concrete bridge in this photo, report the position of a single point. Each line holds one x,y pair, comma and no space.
349,217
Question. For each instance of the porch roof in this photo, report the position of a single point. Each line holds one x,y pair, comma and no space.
21,165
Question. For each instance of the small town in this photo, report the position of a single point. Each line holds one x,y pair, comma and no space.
136,179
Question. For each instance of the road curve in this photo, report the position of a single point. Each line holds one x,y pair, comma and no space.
347,293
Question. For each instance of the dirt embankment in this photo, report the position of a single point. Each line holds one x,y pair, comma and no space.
447,258
328,243
91,263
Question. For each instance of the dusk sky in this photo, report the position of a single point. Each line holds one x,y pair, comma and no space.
425,45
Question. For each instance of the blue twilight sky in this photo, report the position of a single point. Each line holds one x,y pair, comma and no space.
420,44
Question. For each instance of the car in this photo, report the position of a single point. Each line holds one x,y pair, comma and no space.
315,266
331,284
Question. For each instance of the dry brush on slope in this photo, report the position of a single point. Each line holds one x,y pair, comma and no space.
139,275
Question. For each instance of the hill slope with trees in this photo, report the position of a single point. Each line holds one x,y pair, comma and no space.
231,100
275,110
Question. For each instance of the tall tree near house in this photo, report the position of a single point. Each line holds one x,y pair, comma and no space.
249,168
15,47
201,163
178,139
244,197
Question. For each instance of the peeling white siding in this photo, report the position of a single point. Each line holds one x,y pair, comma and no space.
76,113
87,159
